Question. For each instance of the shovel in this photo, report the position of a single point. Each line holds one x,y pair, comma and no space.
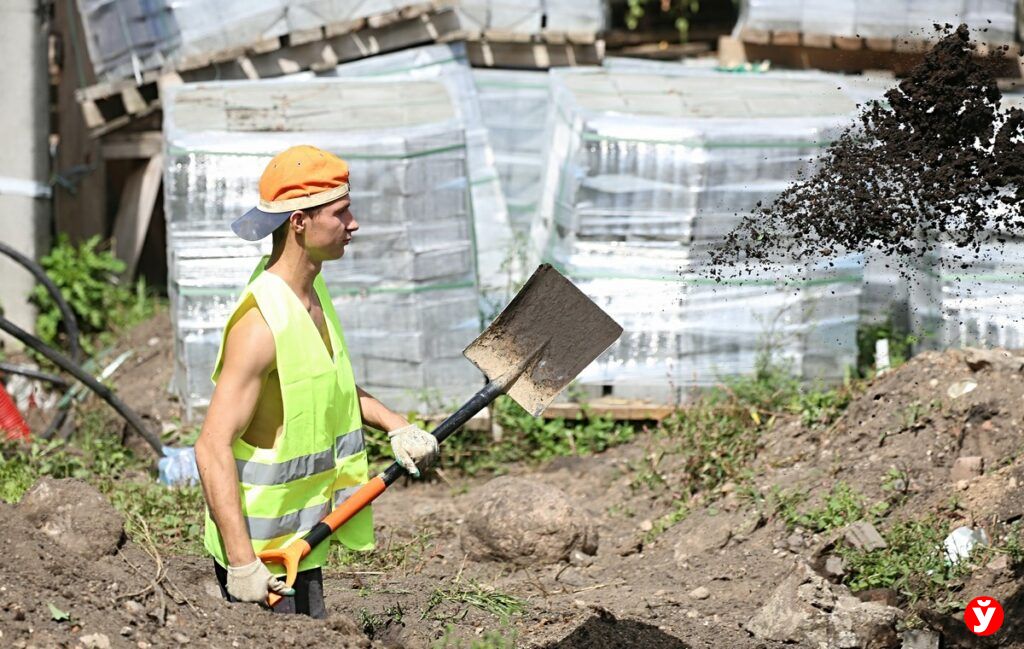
546,335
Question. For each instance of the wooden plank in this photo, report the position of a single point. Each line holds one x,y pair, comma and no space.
532,56
126,146
880,44
785,38
816,40
618,409
757,36
848,43
135,211
80,193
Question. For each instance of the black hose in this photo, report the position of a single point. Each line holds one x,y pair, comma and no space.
66,364
70,322
33,373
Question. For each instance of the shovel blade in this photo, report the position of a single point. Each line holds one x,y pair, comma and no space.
551,331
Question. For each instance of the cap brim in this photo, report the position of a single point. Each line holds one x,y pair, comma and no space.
256,224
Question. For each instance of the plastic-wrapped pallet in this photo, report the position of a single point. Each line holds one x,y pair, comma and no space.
645,172
979,306
406,289
496,260
514,105
993,21
127,37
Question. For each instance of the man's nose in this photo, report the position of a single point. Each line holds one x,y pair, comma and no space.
353,226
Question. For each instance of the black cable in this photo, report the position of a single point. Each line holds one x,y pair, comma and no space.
33,373
70,321
66,364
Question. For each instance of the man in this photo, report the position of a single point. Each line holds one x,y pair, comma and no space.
282,441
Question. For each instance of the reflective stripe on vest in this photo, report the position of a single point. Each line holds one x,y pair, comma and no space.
289,488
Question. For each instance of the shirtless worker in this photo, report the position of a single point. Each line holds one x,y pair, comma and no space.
283,437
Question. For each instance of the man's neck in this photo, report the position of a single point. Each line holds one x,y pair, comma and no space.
296,268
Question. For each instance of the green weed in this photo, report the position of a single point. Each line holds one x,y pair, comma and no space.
387,557
88,279
677,515
842,506
478,596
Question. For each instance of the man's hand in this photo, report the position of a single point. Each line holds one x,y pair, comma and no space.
253,582
413,448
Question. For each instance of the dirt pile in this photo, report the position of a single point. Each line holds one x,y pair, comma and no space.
525,522
938,159
133,597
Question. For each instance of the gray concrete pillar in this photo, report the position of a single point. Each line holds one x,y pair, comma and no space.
24,160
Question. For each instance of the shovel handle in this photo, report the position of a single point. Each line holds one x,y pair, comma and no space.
291,555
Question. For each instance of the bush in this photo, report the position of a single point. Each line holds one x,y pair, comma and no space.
88,279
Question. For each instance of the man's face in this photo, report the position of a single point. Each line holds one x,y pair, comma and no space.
329,230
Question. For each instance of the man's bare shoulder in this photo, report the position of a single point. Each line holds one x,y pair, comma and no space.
250,342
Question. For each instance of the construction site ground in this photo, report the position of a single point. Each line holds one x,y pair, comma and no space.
684,559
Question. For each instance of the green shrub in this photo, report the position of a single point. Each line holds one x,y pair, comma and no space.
88,279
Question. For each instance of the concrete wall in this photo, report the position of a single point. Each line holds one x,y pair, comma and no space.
24,161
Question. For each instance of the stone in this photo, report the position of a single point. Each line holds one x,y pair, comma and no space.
75,515
699,593
702,532
95,641
921,639
134,608
580,559
834,567
525,522
181,638
979,359
886,596
863,536
965,468
807,610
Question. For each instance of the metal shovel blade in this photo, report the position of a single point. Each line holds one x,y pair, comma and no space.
552,327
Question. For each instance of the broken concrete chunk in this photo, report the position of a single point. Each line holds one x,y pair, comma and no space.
834,567
863,536
921,639
979,359
809,611
965,468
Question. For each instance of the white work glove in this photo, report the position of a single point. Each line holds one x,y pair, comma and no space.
413,446
252,582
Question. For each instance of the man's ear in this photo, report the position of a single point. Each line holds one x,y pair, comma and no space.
298,220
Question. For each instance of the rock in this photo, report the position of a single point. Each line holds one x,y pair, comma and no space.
979,359
795,542
960,388
127,631
646,526
134,608
75,515
701,532
808,610
834,567
95,641
921,639
965,468
863,536
699,593
886,596
580,559
181,638
525,522
1000,564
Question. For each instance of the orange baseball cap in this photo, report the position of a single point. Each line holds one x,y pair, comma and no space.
298,178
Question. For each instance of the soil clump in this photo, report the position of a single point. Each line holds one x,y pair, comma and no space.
938,160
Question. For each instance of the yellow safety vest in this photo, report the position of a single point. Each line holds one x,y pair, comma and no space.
319,459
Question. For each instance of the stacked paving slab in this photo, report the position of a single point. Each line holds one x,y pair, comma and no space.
406,290
993,21
644,173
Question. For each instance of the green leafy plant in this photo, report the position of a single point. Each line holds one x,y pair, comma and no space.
492,639
88,279
843,505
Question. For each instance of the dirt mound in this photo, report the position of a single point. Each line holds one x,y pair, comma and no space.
75,515
134,598
525,522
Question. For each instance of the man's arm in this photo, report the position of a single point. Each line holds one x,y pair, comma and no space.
414,448
249,355
378,415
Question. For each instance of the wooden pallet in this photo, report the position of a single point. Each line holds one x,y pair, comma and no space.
792,49
109,106
549,51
